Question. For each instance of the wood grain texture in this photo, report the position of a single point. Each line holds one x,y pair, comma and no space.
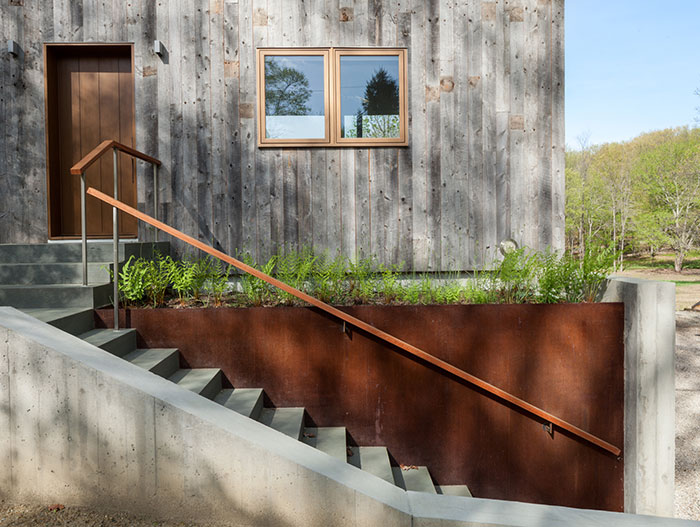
485,159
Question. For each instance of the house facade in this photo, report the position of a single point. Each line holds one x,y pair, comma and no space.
477,156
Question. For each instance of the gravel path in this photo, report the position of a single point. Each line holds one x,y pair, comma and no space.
16,515
688,415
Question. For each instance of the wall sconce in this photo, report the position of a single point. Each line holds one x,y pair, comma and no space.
13,48
158,48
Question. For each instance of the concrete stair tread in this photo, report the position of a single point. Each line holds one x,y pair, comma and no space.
25,287
52,314
55,295
415,478
98,251
100,336
203,381
372,459
454,490
71,273
73,320
245,401
161,361
289,421
331,440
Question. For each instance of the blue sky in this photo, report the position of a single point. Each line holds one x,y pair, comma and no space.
632,66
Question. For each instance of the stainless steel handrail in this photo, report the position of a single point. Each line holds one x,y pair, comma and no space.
79,170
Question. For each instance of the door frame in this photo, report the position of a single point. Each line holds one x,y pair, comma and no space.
51,129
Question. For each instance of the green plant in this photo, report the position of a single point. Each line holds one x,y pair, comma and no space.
255,290
328,276
157,278
361,284
295,269
217,282
132,280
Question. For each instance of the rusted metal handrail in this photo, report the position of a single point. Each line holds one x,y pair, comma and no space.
548,418
79,170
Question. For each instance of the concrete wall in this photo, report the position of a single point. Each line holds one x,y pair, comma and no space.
650,337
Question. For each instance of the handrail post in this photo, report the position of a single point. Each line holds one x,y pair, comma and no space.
83,228
115,240
155,200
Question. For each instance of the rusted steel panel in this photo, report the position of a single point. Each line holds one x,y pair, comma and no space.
566,359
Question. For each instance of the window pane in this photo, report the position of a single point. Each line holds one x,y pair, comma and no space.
294,97
369,96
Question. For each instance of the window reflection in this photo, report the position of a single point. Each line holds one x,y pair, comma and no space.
294,97
369,96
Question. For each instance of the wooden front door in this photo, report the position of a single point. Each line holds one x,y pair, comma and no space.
89,98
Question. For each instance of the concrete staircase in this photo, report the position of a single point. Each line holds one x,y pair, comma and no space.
250,402
44,281
49,275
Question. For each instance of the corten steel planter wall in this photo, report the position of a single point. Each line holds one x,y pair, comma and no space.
567,359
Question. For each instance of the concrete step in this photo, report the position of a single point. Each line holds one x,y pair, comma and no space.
245,401
117,342
74,320
53,273
372,459
454,490
204,381
414,478
72,251
55,295
289,421
331,440
161,361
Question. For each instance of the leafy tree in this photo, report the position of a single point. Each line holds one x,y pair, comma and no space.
670,173
286,90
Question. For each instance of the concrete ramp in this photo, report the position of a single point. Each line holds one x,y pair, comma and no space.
81,426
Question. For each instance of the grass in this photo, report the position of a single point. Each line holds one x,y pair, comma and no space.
662,261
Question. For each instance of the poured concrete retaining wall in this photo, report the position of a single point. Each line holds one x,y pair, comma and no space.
650,338
80,426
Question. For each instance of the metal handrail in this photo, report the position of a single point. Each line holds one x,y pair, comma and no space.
548,418
79,170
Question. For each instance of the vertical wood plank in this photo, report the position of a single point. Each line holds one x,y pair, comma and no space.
262,20
531,213
247,120
475,127
232,129
204,128
164,91
516,125
188,181
434,131
558,128
490,14
405,160
544,123
460,185
173,207
450,228
419,150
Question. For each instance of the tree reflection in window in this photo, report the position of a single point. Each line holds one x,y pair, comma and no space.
294,106
377,114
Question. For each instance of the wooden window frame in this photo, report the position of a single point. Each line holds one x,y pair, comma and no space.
331,64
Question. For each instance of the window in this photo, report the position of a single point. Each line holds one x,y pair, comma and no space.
332,97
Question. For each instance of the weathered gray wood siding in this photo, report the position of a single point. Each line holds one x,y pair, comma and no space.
486,132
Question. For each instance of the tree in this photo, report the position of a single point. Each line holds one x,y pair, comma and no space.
611,163
380,106
670,172
286,90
